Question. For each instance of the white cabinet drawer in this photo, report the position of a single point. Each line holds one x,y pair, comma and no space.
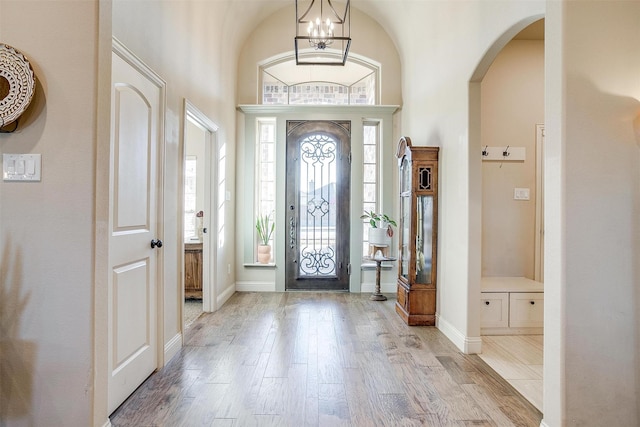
494,310
526,309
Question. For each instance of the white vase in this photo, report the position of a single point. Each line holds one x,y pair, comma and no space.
379,237
264,254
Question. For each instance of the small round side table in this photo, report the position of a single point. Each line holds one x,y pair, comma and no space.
377,296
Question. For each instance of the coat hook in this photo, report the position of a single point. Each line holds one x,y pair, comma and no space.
506,153
485,153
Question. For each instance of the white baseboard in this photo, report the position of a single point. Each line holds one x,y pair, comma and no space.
255,286
543,424
107,423
385,288
225,295
172,347
468,345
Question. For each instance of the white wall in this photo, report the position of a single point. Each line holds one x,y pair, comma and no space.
512,105
592,256
47,227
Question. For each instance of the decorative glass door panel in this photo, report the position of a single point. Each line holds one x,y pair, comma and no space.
317,205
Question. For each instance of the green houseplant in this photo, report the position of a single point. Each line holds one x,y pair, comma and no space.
265,227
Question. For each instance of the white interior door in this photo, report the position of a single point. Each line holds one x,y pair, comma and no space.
136,138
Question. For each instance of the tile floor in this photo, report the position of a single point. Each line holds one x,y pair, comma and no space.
517,359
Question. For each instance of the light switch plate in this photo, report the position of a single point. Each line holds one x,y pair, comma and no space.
21,167
521,194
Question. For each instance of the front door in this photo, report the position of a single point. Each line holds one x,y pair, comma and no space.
136,138
318,198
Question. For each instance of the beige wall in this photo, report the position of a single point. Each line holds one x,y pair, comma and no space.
512,105
47,227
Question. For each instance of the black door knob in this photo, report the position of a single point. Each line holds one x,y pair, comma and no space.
156,243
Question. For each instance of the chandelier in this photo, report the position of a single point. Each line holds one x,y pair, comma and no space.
326,29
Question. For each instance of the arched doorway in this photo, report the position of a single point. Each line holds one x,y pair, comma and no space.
506,93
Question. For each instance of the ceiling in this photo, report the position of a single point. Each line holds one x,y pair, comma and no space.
290,73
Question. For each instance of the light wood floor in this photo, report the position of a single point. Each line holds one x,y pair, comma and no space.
312,359
518,359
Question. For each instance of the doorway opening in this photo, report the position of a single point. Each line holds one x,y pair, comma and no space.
199,219
507,108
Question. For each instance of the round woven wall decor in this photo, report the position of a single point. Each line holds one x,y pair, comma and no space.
17,84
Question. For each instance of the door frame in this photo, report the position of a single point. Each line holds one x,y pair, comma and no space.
209,248
129,57
538,253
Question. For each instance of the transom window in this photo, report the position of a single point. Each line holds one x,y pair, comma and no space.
283,82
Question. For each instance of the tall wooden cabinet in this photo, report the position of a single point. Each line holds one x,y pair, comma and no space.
418,233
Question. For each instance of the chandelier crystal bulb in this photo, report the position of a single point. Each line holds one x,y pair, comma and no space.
319,33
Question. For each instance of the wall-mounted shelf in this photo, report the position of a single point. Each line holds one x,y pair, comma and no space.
513,154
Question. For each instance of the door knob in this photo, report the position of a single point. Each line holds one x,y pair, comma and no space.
156,243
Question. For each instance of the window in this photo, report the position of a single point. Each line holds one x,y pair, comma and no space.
266,170
371,134
285,83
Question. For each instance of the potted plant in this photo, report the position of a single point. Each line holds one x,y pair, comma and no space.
264,227
381,228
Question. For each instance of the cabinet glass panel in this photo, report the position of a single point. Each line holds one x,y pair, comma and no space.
405,230
405,175
424,239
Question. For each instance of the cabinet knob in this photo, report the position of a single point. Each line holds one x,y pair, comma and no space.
486,302
532,302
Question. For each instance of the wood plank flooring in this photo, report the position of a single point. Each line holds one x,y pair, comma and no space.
321,359
517,359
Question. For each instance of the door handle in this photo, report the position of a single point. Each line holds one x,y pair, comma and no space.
156,243
292,232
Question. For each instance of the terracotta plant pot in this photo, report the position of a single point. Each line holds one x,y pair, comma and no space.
264,254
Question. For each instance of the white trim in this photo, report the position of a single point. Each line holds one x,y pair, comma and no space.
225,295
307,109
385,287
468,345
255,287
172,347
107,423
538,255
543,423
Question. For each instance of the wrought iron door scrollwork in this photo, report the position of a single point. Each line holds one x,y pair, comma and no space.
318,262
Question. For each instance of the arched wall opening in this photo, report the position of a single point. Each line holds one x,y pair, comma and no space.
485,131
